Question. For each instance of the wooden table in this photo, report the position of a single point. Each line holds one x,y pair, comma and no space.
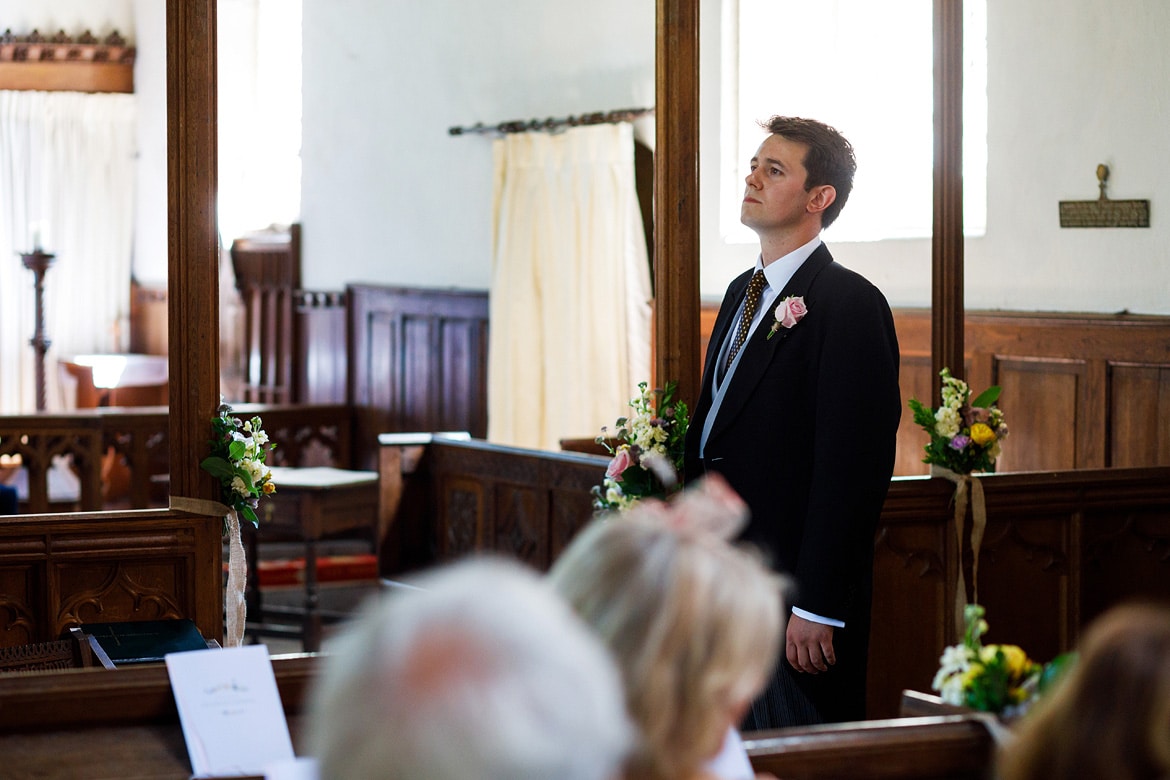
310,504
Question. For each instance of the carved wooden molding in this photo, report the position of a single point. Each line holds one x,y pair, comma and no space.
62,63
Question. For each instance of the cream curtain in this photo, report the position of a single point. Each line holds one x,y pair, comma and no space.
570,292
67,166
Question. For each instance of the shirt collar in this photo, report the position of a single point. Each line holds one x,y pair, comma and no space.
779,272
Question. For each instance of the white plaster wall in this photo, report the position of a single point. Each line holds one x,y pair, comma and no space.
1071,83
101,17
384,186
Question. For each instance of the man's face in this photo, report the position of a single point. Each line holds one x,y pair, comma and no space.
774,197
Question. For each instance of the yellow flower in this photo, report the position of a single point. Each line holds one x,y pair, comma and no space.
1016,661
982,434
269,488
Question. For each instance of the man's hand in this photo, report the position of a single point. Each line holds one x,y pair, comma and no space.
809,645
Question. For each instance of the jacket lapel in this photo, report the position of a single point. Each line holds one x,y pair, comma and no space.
760,351
720,329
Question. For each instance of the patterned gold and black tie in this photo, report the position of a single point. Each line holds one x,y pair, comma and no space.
750,303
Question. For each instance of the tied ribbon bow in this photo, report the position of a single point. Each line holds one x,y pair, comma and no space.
966,488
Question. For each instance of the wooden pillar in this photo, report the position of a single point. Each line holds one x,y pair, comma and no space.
193,267
947,308
676,198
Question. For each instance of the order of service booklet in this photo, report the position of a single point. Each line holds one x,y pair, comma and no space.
230,710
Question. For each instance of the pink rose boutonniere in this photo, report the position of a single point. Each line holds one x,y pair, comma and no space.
789,311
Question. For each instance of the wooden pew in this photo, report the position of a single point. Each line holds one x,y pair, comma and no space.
122,723
953,747
1076,542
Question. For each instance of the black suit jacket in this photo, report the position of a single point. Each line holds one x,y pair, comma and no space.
806,433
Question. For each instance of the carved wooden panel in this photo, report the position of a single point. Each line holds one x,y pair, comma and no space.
58,571
464,511
21,599
1060,547
523,503
321,360
521,523
1123,553
913,594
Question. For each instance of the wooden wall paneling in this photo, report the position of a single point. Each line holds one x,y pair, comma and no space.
915,381
418,362
322,354
1042,401
1138,415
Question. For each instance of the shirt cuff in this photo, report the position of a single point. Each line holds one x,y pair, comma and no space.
817,618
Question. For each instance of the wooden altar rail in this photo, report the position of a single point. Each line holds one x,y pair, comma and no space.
135,441
1060,547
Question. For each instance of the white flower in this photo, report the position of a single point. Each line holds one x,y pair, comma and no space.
947,422
239,487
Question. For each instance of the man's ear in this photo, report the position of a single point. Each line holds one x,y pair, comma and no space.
820,198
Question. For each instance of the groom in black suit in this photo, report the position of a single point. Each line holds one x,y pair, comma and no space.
799,411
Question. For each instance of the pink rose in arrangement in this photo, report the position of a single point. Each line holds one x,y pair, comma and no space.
622,460
789,311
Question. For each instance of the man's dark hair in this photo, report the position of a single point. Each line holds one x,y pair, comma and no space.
829,159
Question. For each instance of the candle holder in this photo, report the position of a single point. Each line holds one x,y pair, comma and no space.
38,262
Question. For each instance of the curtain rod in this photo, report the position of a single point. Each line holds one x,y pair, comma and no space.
521,126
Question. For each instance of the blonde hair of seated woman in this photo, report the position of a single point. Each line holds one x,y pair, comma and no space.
1110,715
693,621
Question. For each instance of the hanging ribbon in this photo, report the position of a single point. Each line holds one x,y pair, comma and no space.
235,606
966,488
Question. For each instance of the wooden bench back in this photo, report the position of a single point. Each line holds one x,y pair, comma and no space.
954,747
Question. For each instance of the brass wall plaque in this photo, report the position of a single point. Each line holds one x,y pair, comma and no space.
1104,212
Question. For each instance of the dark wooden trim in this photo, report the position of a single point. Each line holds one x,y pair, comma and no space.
947,232
193,268
97,698
953,746
67,76
676,198
61,63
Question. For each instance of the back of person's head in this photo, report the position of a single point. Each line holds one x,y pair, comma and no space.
693,621
482,673
829,160
1110,715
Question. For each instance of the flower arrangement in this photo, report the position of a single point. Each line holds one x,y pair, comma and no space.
649,457
965,435
788,312
990,678
238,451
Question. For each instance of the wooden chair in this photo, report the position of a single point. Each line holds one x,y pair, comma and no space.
268,274
72,652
